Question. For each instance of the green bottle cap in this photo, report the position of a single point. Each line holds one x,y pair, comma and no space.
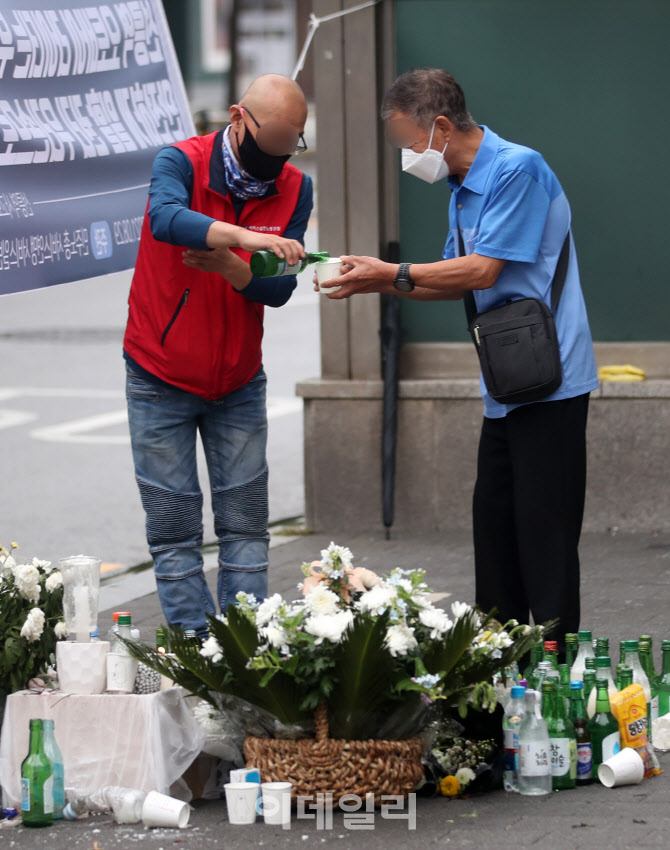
665,644
584,635
547,687
647,638
590,663
631,645
601,683
125,620
571,637
603,661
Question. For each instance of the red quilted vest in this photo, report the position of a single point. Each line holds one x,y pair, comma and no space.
191,328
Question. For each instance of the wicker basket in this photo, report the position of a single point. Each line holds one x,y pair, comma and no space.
337,767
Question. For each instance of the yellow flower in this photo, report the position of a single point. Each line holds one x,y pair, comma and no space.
449,786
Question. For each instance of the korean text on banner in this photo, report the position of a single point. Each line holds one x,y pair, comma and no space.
89,92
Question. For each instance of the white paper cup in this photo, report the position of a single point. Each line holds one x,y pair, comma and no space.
624,768
81,666
241,799
328,270
121,672
277,802
161,810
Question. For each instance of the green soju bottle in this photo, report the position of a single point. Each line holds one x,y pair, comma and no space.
162,640
647,662
268,264
535,658
571,646
550,653
37,799
602,646
603,728
53,753
562,741
632,660
589,683
564,678
578,719
625,676
664,681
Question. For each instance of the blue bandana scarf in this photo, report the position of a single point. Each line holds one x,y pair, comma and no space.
241,184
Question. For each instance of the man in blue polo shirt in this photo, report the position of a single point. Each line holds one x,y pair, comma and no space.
514,217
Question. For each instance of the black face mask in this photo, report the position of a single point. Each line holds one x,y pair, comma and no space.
256,162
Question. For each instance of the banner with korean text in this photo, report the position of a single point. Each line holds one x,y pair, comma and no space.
89,92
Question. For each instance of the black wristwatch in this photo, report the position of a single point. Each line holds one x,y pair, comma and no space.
403,282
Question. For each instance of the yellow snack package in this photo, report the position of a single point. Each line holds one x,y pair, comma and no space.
629,706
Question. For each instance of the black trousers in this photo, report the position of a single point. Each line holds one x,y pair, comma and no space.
527,513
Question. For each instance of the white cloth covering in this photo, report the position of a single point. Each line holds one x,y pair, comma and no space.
135,741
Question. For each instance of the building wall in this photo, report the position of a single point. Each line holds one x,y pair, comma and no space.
585,83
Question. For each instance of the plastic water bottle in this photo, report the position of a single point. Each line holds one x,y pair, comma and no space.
534,752
125,804
585,651
515,712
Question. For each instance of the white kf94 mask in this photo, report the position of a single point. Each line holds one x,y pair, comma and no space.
429,165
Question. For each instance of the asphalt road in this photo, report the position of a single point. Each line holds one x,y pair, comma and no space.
66,476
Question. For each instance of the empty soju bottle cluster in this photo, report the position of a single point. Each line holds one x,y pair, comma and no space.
562,721
42,780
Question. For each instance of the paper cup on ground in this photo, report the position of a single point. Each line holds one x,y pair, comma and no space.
241,799
328,270
82,666
161,810
277,802
624,768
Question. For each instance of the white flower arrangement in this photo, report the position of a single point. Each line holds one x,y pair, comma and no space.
373,648
31,618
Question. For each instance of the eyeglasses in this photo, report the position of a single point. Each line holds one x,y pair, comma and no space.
278,138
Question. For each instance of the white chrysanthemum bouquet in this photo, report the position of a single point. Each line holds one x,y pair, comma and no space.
374,649
31,618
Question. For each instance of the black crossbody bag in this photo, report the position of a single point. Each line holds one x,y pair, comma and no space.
517,342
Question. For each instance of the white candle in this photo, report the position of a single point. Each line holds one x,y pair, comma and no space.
82,614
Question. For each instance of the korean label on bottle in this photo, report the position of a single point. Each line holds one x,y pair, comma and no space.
283,268
560,756
511,744
611,745
534,759
584,761
653,708
25,794
48,795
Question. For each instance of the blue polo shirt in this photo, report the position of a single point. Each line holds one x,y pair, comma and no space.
511,206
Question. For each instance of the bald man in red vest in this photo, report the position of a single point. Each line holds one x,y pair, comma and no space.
193,342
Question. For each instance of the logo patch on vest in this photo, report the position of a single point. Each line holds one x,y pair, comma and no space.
263,228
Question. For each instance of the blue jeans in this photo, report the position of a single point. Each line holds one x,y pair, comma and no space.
164,422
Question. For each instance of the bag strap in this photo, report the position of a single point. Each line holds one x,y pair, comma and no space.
557,283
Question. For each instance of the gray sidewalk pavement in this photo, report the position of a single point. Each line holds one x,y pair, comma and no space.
624,593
